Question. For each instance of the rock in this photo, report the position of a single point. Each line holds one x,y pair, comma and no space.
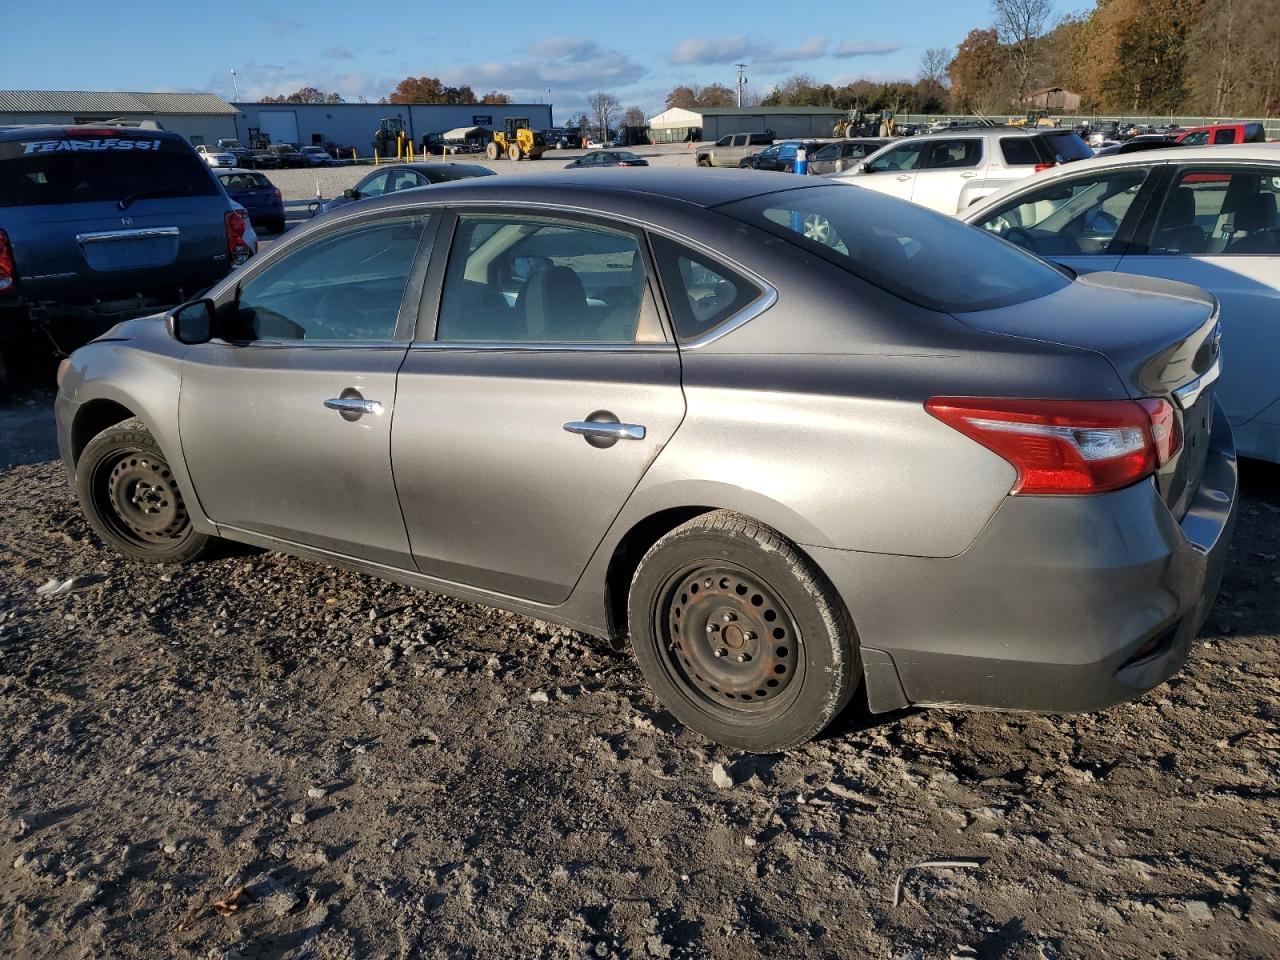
721,777
538,696
1198,911
299,818
317,793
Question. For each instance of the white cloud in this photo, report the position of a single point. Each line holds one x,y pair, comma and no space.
337,53
569,67
852,49
707,50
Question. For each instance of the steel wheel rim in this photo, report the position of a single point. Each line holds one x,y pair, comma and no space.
139,498
728,641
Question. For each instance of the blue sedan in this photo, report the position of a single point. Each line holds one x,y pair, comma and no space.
256,194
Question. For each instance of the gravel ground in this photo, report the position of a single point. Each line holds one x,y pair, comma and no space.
260,757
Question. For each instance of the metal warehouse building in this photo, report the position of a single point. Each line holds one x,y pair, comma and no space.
353,124
200,117
712,123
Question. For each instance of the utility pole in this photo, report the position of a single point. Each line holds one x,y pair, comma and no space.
235,83
742,81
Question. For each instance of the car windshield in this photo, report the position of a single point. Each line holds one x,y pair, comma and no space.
928,259
107,170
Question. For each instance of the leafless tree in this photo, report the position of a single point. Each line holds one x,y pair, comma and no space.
603,107
933,70
634,117
1020,23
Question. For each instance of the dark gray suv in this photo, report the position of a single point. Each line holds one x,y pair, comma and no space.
103,223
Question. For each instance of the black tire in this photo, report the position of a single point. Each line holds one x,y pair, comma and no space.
131,499
740,636
276,226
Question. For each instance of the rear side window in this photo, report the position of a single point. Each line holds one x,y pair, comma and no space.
923,257
944,154
1019,151
99,169
1253,133
761,138
1224,211
1065,145
702,293
1226,135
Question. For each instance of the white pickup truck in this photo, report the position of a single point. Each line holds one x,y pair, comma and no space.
729,150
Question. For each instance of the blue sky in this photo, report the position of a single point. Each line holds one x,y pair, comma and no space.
637,51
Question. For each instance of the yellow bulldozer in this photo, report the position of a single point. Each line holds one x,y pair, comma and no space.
517,142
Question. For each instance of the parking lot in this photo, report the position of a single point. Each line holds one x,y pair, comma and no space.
261,757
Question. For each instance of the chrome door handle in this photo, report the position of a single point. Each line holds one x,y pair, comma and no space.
968,176
606,429
355,405
904,178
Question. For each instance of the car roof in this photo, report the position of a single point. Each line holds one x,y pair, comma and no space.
21,131
1237,153
226,171
692,186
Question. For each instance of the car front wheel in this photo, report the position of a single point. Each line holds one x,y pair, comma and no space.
741,636
131,498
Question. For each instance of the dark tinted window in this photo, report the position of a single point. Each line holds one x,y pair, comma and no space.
41,172
904,156
702,293
830,152
341,286
244,181
1253,133
760,138
921,256
1064,146
1019,151
943,154
1227,135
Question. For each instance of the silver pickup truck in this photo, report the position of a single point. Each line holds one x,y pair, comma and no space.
729,150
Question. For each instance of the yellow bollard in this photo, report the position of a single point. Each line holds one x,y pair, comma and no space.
375,158
411,156
354,158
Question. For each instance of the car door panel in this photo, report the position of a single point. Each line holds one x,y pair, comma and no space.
940,178
496,493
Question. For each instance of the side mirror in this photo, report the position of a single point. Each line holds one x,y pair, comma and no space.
191,323
351,193
864,167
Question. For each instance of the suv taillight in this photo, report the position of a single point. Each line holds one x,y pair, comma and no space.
8,272
237,250
1068,446
1040,167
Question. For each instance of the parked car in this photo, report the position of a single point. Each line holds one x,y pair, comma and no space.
781,157
949,171
562,138
262,160
102,223
1147,141
843,154
391,178
258,195
316,156
1221,133
287,154
607,158
531,420
215,157
730,150
1202,215
233,147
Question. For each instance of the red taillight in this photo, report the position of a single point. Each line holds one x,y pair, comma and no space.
279,195
237,250
1068,446
8,272
1041,167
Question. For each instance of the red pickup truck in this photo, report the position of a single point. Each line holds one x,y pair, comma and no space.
1223,133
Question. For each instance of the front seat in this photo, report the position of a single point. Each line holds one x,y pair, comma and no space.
1179,233
555,306
1258,221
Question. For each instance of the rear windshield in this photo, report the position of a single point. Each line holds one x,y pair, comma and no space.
1065,145
244,181
97,169
1019,151
923,257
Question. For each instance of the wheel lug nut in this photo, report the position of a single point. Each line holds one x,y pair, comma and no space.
722,652
712,627
748,635
744,657
728,618
707,583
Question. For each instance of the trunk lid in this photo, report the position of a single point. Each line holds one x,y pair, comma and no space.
1162,338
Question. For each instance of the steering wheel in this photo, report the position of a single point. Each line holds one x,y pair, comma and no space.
1022,238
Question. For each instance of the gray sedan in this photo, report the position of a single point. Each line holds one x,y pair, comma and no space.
795,442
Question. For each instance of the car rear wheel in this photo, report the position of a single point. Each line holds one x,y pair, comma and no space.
741,636
131,498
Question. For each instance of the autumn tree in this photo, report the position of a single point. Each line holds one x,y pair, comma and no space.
305,95
978,77
429,90
1142,53
494,97
690,97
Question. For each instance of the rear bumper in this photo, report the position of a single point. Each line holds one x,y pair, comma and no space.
1063,604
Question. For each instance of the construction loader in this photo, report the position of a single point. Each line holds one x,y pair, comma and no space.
517,142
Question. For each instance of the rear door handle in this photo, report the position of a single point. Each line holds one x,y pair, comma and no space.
354,405
606,429
968,176
905,177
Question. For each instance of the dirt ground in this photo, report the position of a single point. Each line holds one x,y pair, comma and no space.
353,769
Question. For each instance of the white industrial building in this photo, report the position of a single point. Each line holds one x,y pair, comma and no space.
353,124
678,124
200,117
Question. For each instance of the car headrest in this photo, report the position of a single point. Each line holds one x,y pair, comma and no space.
1258,213
555,305
1180,211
